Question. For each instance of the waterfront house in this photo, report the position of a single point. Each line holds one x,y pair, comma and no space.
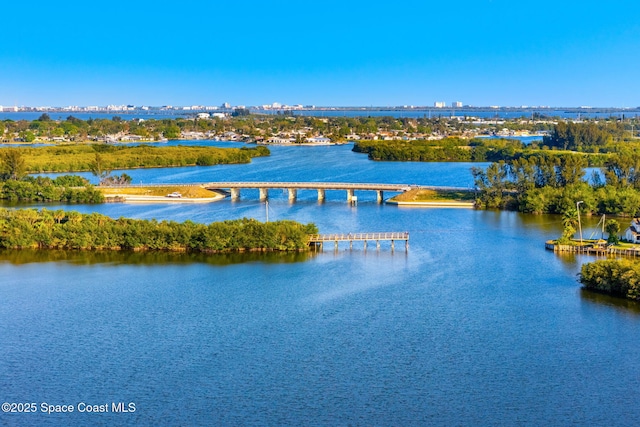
319,140
131,138
280,140
633,232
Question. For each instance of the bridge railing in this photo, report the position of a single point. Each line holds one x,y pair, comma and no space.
311,185
358,236
300,185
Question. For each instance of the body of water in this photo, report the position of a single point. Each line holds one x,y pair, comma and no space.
476,324
488,113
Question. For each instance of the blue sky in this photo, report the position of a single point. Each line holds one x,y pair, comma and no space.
194,52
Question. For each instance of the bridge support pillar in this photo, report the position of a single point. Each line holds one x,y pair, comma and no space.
380,196
321,194
365,245
350,194
264,194
393,246
336,246
293,194
378,244
235,193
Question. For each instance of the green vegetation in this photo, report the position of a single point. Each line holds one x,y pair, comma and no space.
592,141
101,158
12,164
554,183
614,277
30,228
612,227
442,150
585,137
418,195
69,189
15,186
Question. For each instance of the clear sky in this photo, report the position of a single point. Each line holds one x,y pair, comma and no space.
329,52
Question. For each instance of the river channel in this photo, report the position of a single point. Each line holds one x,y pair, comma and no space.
476,324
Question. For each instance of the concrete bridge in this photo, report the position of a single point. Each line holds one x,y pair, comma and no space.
320,187
293,187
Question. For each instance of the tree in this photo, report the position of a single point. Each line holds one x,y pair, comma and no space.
238,112
12,164
172,132
569,223
123,179
28,136
612,227
98,169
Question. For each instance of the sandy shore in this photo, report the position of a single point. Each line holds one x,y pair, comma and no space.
435,204
128,198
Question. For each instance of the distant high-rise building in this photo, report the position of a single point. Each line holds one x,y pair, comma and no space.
439,104
226,105
456,104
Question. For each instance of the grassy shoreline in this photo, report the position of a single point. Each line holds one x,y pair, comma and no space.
434,198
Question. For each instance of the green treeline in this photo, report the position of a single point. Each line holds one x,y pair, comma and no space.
67,188
602,137
614,277
81,157
30,228
554,183
15,185
585,137
442,150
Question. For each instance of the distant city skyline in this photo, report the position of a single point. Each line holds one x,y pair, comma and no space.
355,53
276,106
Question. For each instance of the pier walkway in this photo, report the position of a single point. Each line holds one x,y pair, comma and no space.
318,240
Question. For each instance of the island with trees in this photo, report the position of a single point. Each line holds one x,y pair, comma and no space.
17,162
85,157
45,229
616,277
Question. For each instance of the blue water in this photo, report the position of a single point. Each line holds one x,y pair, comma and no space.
417,113
476,324
62,115
319,163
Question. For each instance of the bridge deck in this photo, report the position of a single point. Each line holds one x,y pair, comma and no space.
301,185
311,185
319,238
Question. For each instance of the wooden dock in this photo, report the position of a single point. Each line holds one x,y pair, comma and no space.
593,250
317,240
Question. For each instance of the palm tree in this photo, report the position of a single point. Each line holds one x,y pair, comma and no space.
569,222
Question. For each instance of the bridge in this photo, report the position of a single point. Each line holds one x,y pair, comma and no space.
318,240
293,187
320,187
